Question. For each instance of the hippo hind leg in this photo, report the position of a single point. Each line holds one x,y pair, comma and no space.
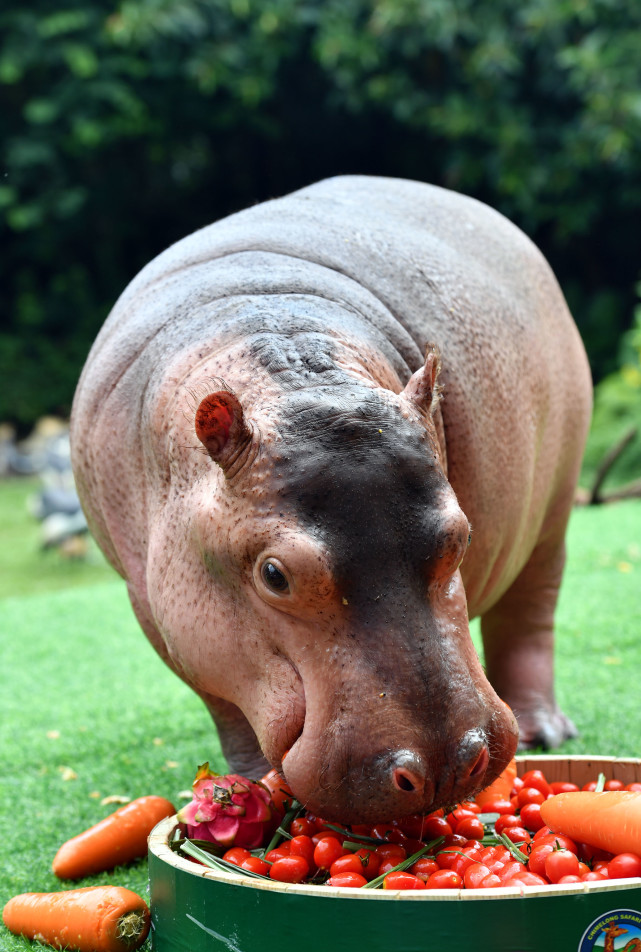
518,640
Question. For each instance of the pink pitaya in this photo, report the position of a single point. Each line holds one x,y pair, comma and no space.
227,809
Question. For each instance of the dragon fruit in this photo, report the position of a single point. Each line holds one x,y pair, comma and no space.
227,809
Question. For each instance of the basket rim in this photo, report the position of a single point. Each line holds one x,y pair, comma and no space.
159,846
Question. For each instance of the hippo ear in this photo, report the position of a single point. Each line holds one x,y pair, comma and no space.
422,387
221,426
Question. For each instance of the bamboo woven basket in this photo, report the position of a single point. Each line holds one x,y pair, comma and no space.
195,909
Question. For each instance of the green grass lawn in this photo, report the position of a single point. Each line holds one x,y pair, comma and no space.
89,711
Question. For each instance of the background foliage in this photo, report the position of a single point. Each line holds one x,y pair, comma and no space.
124,127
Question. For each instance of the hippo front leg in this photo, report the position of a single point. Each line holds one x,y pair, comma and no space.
518,639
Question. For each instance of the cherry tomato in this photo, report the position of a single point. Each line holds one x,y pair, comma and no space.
475,874
499,806
634,787
516,786
278,853
526,878
530,795
457,815
518,834
412,826
391,851
467,856
531,817
385,831
470,805
289,869
593,877
388,863
506,821
324,834
302,846
542,831
278,790
538,855
510,869
352,880
348,863
559,841
589,786
303,826
624,866
402,880
562,786
424,867
614,785
436,826
570,878
592,854
326,851
536,778
254,864
471,828
444,879
236,855
561,863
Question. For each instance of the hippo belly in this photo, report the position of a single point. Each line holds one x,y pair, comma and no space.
315,438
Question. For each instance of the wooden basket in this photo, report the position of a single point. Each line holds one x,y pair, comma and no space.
196,909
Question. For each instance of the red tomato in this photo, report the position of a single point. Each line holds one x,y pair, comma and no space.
561,863
570,878
530,795
542,831
278,853
236,855
436,826
470,805
518,834
444,879
592,854
562,786
536,778
558,840
402,880
589,786
289,869
303,826
538,855
499,806
412,825
614,785
391,851
467,856
424,867
506,821
254,864
324,834
388,864
635,787
510,869
471,828
348,863
326,851
302,846
457,815
624,866
516,786
593,877
352,880
475,874
385,831
278,789
531,817
526,878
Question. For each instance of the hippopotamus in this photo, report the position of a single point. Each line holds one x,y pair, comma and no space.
317,437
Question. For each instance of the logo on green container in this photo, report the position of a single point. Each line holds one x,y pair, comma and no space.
616,931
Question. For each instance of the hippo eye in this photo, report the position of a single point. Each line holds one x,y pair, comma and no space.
274,578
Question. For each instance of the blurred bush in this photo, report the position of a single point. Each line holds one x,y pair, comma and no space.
125,127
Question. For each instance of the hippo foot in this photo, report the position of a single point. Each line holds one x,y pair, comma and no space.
544,728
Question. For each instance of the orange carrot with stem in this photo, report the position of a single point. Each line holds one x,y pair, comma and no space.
119,838
610,820
92,919
501,788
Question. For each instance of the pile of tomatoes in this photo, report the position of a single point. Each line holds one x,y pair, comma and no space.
504,843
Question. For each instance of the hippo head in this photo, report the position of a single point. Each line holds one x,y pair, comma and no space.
331,609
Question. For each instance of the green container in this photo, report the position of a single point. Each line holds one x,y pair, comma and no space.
195,909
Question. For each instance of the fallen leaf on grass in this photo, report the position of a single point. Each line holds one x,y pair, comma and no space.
67,773
114,798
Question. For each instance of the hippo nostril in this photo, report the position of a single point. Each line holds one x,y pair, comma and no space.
479,768
408,774
406,781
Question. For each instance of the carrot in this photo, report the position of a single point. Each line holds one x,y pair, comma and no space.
501,788
119,838
610,820
92,919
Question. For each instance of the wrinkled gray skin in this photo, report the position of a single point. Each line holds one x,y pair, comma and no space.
268,454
